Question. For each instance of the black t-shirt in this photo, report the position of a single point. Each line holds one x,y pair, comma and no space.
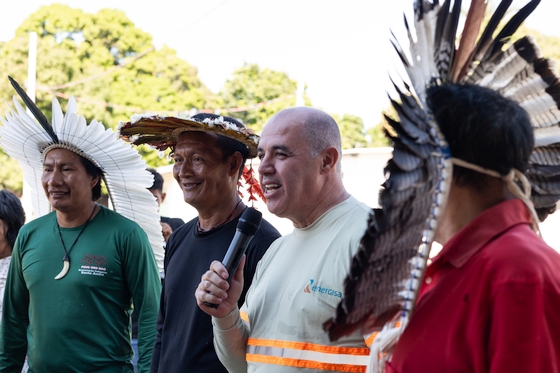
184,339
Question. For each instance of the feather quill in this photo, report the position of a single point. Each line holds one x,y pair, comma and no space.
513,24
37,113
486,38
468,39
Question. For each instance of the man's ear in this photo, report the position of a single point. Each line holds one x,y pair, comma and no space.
94,181
329,159
235,162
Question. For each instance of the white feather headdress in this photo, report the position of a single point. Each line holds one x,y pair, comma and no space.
124,172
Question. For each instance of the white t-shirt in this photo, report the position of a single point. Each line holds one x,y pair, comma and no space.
297,286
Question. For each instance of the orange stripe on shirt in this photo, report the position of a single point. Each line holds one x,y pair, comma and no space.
363,351
244,316
369,340
305,363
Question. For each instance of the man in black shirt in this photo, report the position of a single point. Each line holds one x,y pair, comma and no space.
209,153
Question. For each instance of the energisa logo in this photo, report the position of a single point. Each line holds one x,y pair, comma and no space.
319,289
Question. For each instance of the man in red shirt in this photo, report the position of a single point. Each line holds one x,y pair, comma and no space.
490,299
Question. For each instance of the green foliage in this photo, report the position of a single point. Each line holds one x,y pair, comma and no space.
114,71
153,157
375,135
11,175
80,53
351,131
251,85
74,46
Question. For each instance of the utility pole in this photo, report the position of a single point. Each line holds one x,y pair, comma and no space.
32,66
31,86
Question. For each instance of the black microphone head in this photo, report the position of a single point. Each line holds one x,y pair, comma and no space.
250,221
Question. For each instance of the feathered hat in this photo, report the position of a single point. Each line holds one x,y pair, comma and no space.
163,132
124,172
386,272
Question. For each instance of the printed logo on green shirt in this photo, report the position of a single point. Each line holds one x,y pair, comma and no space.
93,265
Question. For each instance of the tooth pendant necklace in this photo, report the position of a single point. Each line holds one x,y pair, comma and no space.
66,259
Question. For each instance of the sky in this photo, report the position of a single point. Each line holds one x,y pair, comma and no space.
339,49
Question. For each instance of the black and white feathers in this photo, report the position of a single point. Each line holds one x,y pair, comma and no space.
402,228
385,273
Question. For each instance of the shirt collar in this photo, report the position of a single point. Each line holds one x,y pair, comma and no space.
324,220
482,229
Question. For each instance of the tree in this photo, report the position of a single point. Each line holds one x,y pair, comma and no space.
256,94
376,135
11,177
351,131
109,65
106,62
260,93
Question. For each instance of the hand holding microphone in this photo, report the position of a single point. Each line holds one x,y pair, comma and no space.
249,223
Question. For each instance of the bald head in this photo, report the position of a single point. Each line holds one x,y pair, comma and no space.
319,129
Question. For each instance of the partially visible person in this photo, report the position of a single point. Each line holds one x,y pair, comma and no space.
73,315
168,225
489,300
209,152
299,282
12,217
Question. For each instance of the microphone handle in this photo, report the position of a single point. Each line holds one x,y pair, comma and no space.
233,256
235,252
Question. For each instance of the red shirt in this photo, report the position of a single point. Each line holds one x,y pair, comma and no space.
490,302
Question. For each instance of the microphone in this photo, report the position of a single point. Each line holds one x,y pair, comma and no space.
249,223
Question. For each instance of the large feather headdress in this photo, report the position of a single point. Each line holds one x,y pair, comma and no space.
386,272
124,172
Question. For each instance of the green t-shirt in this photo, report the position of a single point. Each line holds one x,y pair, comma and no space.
80,323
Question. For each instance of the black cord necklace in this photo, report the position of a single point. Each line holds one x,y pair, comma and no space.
66,259
200,230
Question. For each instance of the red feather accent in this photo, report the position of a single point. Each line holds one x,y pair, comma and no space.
253,186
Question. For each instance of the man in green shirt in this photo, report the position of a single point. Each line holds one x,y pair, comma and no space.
74,315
